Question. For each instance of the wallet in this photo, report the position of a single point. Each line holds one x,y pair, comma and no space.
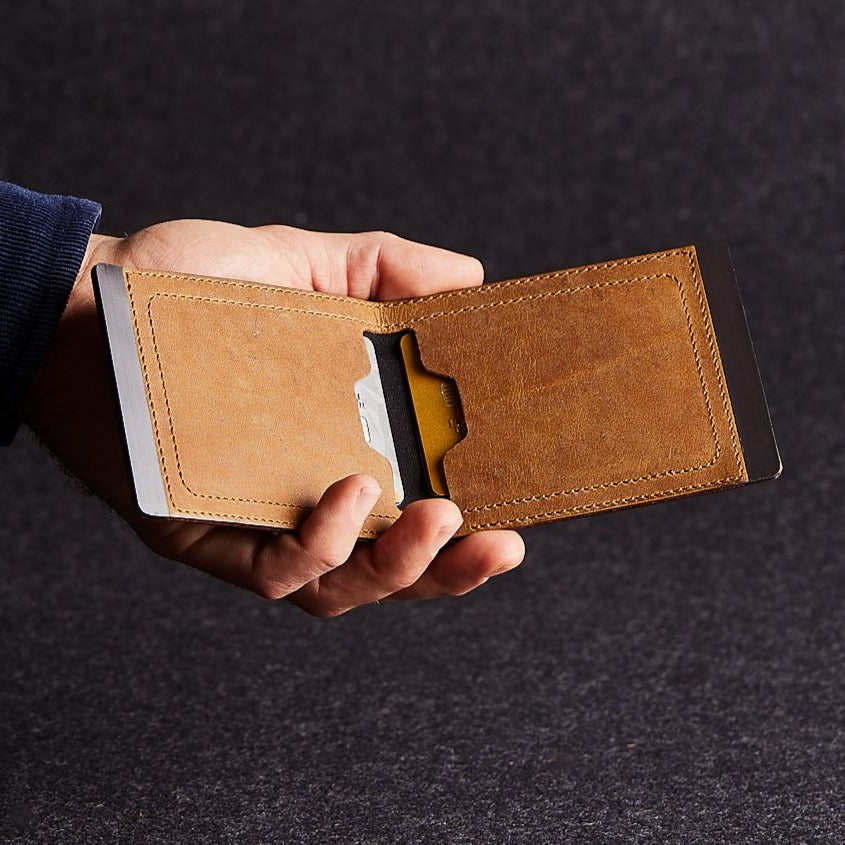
524,401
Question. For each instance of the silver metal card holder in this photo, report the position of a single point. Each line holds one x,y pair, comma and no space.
110,287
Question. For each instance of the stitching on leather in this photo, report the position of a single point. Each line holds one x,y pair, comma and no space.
282,523
576,509
725,405
529,298
448,294
367,304
391,304
621,482
187,487
263,306
716,365
546,294
490,506
493,287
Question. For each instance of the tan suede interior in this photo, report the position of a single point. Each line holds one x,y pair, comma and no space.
583,390
251,391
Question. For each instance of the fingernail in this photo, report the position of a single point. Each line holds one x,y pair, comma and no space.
367,497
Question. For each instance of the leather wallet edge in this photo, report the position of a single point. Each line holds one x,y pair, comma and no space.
739,363
139,439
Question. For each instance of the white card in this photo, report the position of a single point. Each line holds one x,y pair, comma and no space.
374,419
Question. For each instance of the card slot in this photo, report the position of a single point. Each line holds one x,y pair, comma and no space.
438,411
608,397
400,411
246,396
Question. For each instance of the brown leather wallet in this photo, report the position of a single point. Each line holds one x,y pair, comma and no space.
581,390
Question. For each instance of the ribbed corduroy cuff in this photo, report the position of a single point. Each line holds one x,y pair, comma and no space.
43,238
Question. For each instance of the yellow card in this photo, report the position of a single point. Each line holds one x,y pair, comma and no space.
437,407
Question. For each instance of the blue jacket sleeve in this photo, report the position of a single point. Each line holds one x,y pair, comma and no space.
42,243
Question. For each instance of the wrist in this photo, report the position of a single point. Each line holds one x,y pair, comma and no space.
42,246
100,248
71,404
77,321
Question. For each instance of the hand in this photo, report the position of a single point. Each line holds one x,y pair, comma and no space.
323,567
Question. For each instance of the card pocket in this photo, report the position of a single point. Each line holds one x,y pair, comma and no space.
580,397
253,402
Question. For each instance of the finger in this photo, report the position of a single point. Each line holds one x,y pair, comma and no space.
390,267
392,563
467,564
369,265
324,541
275,565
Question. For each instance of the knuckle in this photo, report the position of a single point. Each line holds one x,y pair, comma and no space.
268,574
403,579
377,235
322,610
330,612
316,601
270,590
369,253
399,580
363,258
329,546
329,558
389,574
465,588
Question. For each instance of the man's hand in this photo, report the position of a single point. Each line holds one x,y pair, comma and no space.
322,568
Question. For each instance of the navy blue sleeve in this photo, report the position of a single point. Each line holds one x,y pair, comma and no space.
42,243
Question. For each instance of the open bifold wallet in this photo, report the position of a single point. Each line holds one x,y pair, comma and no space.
523,401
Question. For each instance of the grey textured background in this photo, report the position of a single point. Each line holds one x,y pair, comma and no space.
674,674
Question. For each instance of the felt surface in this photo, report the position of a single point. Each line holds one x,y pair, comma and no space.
672,674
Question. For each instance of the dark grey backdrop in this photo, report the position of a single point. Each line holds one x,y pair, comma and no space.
674,674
